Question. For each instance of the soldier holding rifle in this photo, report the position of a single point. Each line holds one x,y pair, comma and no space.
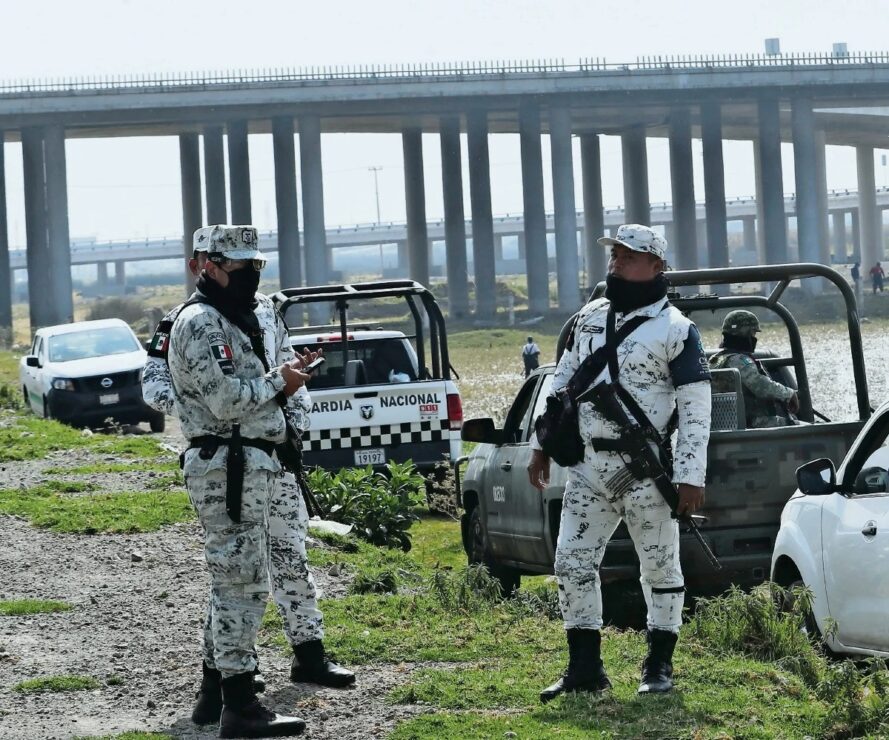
654,354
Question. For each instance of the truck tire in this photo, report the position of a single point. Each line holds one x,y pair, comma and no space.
811,626
478,553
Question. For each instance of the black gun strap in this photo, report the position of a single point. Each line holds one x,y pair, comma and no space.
594,364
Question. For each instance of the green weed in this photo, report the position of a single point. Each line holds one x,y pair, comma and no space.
53,684
17,607
375,582
44,506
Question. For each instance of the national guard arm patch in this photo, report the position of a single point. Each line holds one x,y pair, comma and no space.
160,342
222,353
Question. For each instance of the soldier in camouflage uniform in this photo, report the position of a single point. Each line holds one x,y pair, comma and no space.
662,365
221,385
766,403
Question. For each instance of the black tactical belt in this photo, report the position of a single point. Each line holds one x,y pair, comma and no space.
234,469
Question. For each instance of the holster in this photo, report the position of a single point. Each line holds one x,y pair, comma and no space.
234,475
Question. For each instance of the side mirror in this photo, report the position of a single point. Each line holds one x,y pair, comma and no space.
817,478
481,430
32,361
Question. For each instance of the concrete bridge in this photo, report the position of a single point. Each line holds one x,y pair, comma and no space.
809,100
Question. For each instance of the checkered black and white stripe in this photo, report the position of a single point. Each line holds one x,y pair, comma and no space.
434,430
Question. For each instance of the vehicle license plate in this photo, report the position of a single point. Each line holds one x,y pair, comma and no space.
109,398
370,457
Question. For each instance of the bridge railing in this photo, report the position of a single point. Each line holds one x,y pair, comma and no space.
364,73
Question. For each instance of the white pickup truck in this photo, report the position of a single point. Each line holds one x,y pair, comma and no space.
375,399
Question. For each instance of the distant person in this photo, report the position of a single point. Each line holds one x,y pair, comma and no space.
766,403
530,356
855,272
877,275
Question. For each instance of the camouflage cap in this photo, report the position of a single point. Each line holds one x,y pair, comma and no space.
231,242
740,324
200,241
639,238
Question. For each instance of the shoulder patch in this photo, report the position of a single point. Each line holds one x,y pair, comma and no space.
160,342
222,353
216,337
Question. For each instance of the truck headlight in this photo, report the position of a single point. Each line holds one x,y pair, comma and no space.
63,384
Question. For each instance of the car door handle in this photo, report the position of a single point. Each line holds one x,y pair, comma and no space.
870,529
506,466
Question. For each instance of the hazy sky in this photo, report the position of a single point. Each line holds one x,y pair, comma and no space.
130,187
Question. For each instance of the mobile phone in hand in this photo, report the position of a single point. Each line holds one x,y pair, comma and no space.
314,365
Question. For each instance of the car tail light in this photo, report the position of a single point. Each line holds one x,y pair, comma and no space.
333,338
455,410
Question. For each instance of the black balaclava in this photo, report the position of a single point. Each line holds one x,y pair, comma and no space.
628,295
739,344
238,295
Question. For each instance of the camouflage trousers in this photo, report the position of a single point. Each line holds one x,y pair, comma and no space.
237,558
594,504
291,581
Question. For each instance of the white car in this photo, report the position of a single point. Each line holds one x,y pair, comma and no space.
86,372
834,539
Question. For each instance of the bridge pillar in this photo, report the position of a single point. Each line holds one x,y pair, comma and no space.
714,185
808,221
311,175
289,249
839,234
533,240
58,239
37,254
214,175
637,208
772,183
482,218
239,172
703,253
856,233
684,249
749,226
870,226
5,270
415,205
595,255
102,274
401,258
520,245
120,273
455,218
821,189
567,264
192,210
498,248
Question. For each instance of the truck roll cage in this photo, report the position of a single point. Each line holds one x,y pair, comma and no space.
415,295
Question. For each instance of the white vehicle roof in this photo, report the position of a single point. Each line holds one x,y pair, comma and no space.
75,326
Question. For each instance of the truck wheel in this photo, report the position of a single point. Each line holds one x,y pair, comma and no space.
46,414
809,623
157,423
509,578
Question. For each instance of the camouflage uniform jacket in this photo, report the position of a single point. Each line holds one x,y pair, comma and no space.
760,391
662,365
157,385
217,381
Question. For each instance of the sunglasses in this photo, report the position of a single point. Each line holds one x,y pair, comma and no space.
257,264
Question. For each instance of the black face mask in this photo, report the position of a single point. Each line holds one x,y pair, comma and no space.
242,285
628,295
739,344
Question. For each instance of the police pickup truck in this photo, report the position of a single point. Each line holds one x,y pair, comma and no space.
382,395
513,527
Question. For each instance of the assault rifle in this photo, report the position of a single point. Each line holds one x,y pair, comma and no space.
640,447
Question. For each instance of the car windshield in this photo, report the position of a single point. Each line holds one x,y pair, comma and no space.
390,360
79,345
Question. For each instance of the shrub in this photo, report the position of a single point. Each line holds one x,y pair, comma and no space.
471,589
383,581
767,623
131,310
858,699
10,398
378,505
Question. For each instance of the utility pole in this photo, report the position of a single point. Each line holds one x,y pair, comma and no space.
375,170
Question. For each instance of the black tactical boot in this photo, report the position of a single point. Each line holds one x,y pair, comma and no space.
258,678
209,703
657,669
311,665
244,716
585,670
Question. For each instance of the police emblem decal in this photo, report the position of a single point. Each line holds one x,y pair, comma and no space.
367,412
